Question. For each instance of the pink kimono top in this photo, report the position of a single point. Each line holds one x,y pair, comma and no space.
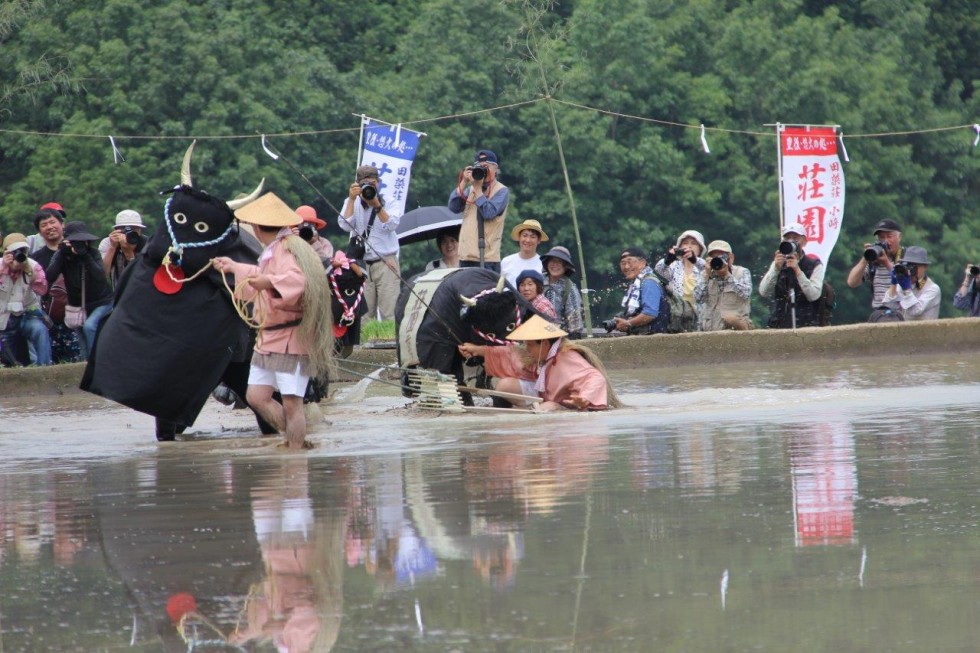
565,374
283,303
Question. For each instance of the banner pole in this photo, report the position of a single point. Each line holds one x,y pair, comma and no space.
571,202
779,176
360,145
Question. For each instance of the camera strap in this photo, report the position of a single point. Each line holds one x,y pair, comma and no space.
367,231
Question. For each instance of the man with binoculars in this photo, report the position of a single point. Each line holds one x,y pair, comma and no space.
483,201
372,228
794,282
911,293
876,263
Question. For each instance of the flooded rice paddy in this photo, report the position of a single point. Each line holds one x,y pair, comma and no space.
806,507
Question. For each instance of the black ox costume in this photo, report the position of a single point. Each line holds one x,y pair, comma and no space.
443,308
174,333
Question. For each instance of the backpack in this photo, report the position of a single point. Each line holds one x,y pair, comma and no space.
682,316
661,323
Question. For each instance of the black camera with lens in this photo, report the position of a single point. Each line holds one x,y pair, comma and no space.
718,262
306,232
788,247
609,325
975,270
75,247
368,191
903,270
20,255
132,236
876,251
479,172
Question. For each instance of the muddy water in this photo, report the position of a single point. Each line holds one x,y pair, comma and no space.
732,508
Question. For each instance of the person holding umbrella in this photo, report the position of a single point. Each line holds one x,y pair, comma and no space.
447,240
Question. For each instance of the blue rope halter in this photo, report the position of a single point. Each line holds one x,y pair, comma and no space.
178,248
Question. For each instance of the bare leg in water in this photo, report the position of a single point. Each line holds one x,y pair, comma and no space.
288,417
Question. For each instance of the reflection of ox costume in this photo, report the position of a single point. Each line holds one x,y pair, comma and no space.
167,344
445,307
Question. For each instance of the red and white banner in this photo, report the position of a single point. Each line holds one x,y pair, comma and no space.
812,185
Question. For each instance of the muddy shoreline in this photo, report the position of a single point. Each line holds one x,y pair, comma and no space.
957,335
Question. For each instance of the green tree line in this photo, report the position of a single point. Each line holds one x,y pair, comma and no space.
154,74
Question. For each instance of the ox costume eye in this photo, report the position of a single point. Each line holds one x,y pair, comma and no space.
349,292
180,218
201,227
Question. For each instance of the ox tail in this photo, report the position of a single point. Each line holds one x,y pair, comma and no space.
612,400
316,329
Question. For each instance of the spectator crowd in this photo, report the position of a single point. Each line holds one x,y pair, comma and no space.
57,284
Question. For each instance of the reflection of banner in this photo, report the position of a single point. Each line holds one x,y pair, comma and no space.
812,185
824,478
391,149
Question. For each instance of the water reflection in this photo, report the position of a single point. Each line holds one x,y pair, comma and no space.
182,547
298,604
822,464
725,526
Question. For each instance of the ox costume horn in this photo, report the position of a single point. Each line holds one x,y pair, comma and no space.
174,332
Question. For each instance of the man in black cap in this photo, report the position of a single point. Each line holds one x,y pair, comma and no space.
878,261
483,201
645,308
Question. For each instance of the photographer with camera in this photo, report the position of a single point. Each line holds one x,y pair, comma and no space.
483,201
878,256
645,307
967,298
309,230
22,282
88,288
122,245
680,268
794,281
372,228
911,293
724,291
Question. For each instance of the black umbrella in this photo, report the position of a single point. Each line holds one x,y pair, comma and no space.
425,222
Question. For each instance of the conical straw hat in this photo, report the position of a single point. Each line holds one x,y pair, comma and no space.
268,211
536,328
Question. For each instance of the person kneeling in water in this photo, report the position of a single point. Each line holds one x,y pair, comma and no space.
562,373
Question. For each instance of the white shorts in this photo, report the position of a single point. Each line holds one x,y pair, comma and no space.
287,383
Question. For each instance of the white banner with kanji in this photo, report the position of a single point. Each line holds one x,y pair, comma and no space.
813,185
391,149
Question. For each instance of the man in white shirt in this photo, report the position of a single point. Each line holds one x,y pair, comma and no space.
365,215
527,234
912,293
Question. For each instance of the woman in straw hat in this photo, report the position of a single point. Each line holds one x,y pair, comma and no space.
562,373
291,302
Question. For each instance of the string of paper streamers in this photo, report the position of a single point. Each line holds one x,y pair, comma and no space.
263,137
